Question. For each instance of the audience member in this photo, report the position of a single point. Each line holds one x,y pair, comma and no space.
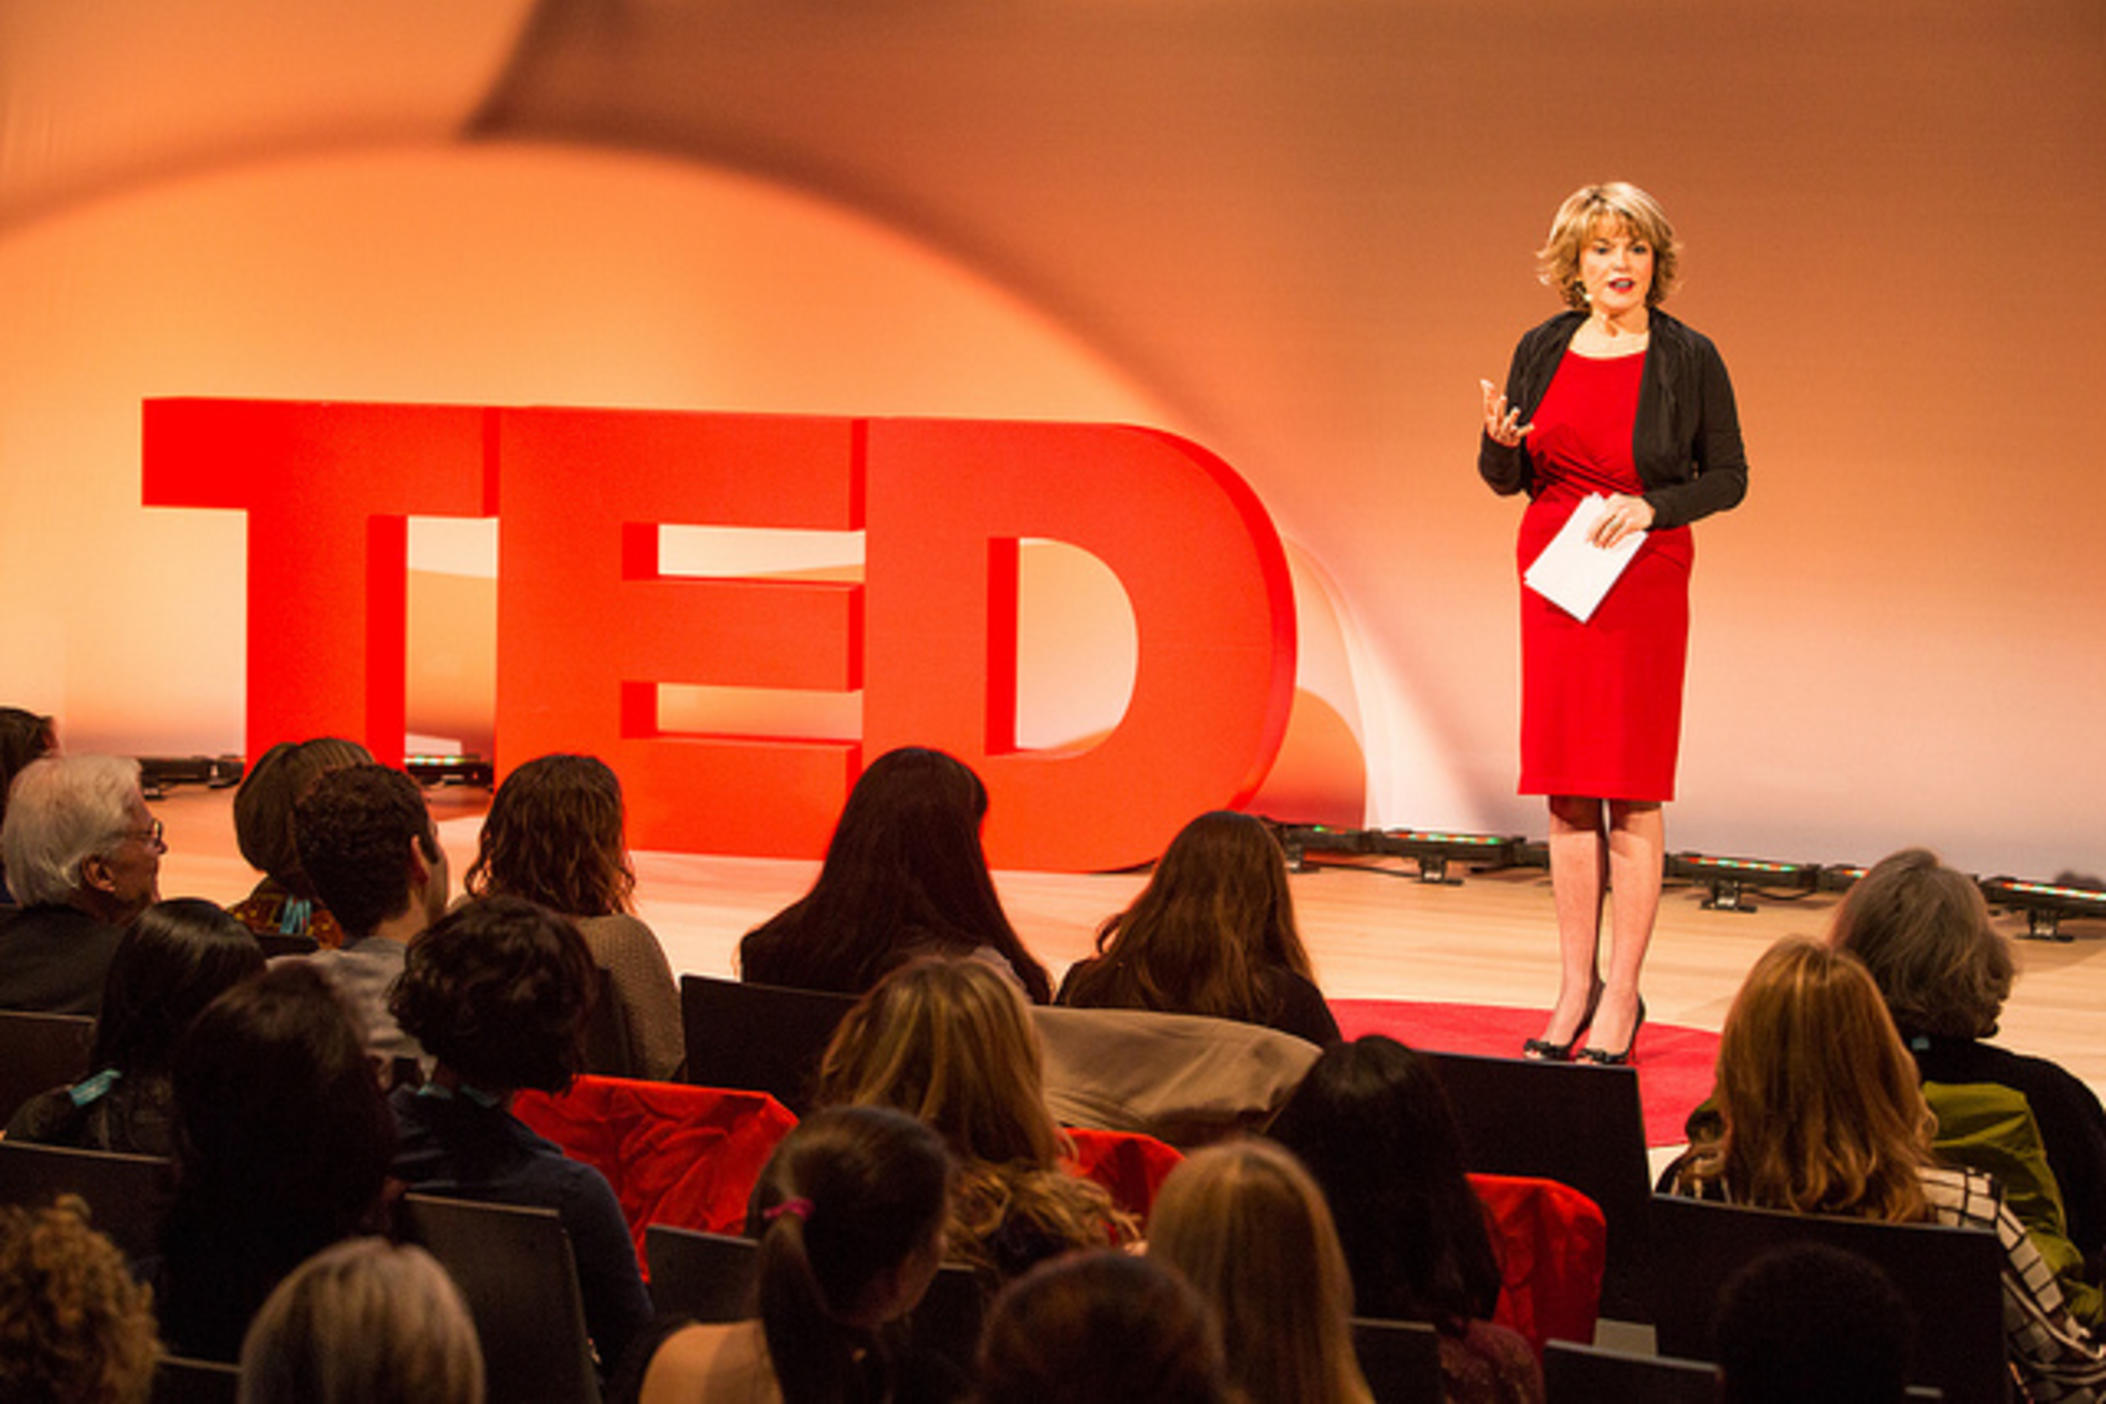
1820,1113
1212,933
282,1148
1098,1326
554,836
284,902
83,857
1811,1324
24,737
498,992
849,1216
1248,1228
363,1322
904,876
74,1327
173,960
1923,931
370,848
950,1042
1372,1124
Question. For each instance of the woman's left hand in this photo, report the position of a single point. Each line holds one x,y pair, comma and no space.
1624,516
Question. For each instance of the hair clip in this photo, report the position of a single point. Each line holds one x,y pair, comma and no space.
799,1209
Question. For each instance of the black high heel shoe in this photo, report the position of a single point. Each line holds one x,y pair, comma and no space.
1602,1057
1543,1050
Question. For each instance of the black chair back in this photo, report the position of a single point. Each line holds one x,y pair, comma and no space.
127,1195
606,1041
1576,1123
1401,1359
760,1037
514,1267
1951,1277
1581,1374
285,943
708,1276
39,1052
180,1380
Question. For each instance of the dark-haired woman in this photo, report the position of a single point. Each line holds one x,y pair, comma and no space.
284,902
174,959
849,1215
1212,933
282,1147
497,992
24,737
554,836
1372,1124
904,876
1102,1325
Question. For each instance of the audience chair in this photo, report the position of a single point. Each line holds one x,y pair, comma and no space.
761,1037
703,1275
606,1040
285,943
1584,1374
1576,1123
127,1195
181,1380
1401,1359
948,1320
1950,1276
39,1052
514,1268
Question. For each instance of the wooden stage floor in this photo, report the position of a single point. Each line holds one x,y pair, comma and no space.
1374,933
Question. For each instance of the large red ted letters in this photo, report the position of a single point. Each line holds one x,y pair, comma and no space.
588,627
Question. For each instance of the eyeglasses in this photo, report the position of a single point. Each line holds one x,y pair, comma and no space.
155,833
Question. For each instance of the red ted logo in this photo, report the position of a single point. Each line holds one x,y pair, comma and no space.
588,627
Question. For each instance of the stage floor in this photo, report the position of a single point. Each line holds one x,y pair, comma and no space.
1374,932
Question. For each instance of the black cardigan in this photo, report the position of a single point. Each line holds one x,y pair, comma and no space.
1686,440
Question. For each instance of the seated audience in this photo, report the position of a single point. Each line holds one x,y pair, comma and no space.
24,737
1212,933
364,1322
284,902
950,1043
554,836
176,958
282,1148
1248,1228
904,876
1811,1324
849,1217
1923,931
370,848
1101,1326
83,857
498,992
1372,1124
74,1327
1820,1113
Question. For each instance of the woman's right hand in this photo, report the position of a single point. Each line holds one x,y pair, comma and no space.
1502,425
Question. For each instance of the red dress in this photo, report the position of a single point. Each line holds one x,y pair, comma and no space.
1601,702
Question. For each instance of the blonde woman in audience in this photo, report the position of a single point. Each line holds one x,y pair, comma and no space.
74,1327
1820,1113
1212,933
950,1042
1249,1229
849,1216
364,1322
554,836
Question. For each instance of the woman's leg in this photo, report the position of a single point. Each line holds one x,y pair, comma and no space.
1579,862
1637,844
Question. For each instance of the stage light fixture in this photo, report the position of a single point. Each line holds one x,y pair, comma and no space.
1300,840
1433,851
2045,904
450,770
1838,877
1731,879
157,773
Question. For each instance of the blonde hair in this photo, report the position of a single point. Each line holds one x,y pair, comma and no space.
1923,931
73,1323
363,1321
951,1043
1250,1230
1623,206
1819,1102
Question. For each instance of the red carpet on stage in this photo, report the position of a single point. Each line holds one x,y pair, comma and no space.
1674,1063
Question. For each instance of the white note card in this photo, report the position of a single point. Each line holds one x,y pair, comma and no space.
1572,572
